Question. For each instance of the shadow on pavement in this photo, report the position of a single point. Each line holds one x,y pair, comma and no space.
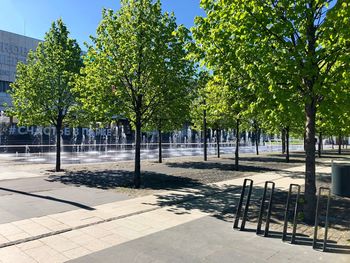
221,204
294,159
110,179
49,198
220,166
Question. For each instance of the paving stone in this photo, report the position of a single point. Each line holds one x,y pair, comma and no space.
14,255
76,253
45,254
59,243
31,244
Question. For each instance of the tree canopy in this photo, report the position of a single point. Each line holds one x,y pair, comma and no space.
42,93
301,46
137,61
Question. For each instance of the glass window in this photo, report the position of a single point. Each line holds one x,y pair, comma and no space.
4,86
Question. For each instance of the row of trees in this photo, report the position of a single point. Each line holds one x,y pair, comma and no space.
136,68
278,66
285,57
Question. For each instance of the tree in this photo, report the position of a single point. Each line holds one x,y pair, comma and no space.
42,92
172,112
136,60
333,117
283,112
199,108
303,45
224,106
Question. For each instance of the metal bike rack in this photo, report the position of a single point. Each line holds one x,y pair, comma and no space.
262,208
285,226
246,207
314,243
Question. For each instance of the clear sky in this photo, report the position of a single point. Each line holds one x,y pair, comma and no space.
34,17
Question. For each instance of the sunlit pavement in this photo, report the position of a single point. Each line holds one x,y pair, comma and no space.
154,228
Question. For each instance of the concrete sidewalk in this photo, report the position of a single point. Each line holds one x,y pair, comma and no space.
70,235
209,240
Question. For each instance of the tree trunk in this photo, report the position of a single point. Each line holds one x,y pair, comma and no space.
218,141
257,135
283,141
339,143
137,173
320,145
58,145
237,146
287,144
205,135
160,158
310,178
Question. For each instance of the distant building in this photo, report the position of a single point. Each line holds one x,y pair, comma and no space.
13,48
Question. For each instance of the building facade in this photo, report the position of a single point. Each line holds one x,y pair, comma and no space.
14,48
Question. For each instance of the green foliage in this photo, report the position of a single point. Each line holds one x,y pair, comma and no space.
136,68
334,114
42,93
281,111
215,98
297,52
270,44
137,65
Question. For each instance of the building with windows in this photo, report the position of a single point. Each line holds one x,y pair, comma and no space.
13,49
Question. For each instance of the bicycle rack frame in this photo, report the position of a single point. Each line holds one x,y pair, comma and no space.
314,243
262,208
285,226
246,207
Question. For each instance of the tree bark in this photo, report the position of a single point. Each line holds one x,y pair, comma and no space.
237,146
310,178
205,152
160,158
283,135
137,172
320,145
339,144
257,135
287,144
218,133
58,145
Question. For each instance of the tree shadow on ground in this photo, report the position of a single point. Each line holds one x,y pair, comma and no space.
292,155
273,159
220,166
334,155
221,203
110,179
47,197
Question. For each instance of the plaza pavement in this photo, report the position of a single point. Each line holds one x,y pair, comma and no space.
38,196
171,226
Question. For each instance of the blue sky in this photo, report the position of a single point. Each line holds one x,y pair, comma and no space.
34,17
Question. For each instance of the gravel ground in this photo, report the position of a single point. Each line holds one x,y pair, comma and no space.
173,173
